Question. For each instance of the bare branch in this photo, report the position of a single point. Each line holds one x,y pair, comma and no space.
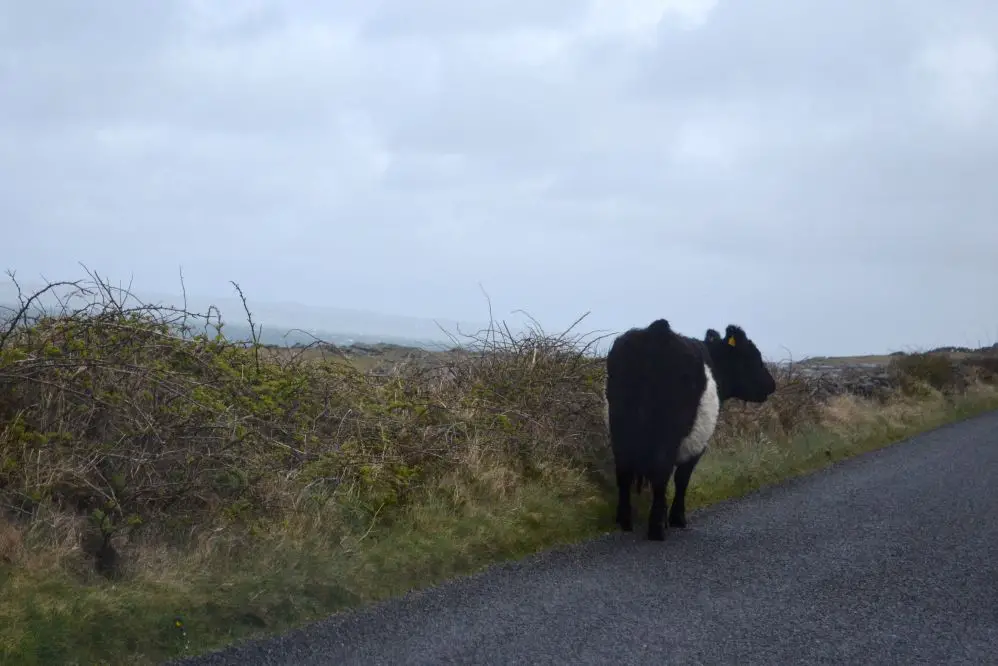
249,318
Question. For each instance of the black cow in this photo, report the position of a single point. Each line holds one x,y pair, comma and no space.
663,394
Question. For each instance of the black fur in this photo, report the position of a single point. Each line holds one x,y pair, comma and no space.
655,378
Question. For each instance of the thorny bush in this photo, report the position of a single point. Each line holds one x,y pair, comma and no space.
133,420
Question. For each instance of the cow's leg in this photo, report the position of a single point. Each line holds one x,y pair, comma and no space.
660,471
677,514
656,517
625,477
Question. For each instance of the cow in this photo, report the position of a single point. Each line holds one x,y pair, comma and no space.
663,394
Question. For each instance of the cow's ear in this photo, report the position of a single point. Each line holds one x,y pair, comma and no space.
712,336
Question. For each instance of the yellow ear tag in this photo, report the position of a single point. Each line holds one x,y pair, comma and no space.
731,341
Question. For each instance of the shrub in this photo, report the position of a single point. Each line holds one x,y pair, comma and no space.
916,372
143,427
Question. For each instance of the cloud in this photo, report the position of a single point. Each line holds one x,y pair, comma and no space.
963,75
819,172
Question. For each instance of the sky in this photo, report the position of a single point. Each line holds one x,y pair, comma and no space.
821,173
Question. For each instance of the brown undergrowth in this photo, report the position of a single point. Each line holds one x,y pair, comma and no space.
164,490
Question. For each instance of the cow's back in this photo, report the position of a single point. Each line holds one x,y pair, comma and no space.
655,378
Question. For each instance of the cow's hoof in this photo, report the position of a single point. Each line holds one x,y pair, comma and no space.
656,532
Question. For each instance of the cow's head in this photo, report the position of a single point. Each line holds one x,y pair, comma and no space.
741,371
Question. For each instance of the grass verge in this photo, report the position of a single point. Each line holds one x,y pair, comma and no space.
150,473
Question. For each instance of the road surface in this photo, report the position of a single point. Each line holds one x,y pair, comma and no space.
889,558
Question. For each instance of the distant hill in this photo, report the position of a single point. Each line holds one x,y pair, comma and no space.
288,336
292,323
282,335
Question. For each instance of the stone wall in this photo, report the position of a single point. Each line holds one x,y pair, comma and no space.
868,380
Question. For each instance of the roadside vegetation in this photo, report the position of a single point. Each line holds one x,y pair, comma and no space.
164,490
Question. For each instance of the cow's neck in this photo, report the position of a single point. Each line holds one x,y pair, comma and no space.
723,392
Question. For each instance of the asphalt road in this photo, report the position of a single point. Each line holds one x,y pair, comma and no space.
889,558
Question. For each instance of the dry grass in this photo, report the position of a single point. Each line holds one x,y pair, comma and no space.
150,469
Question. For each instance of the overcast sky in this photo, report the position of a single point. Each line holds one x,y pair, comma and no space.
823,173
